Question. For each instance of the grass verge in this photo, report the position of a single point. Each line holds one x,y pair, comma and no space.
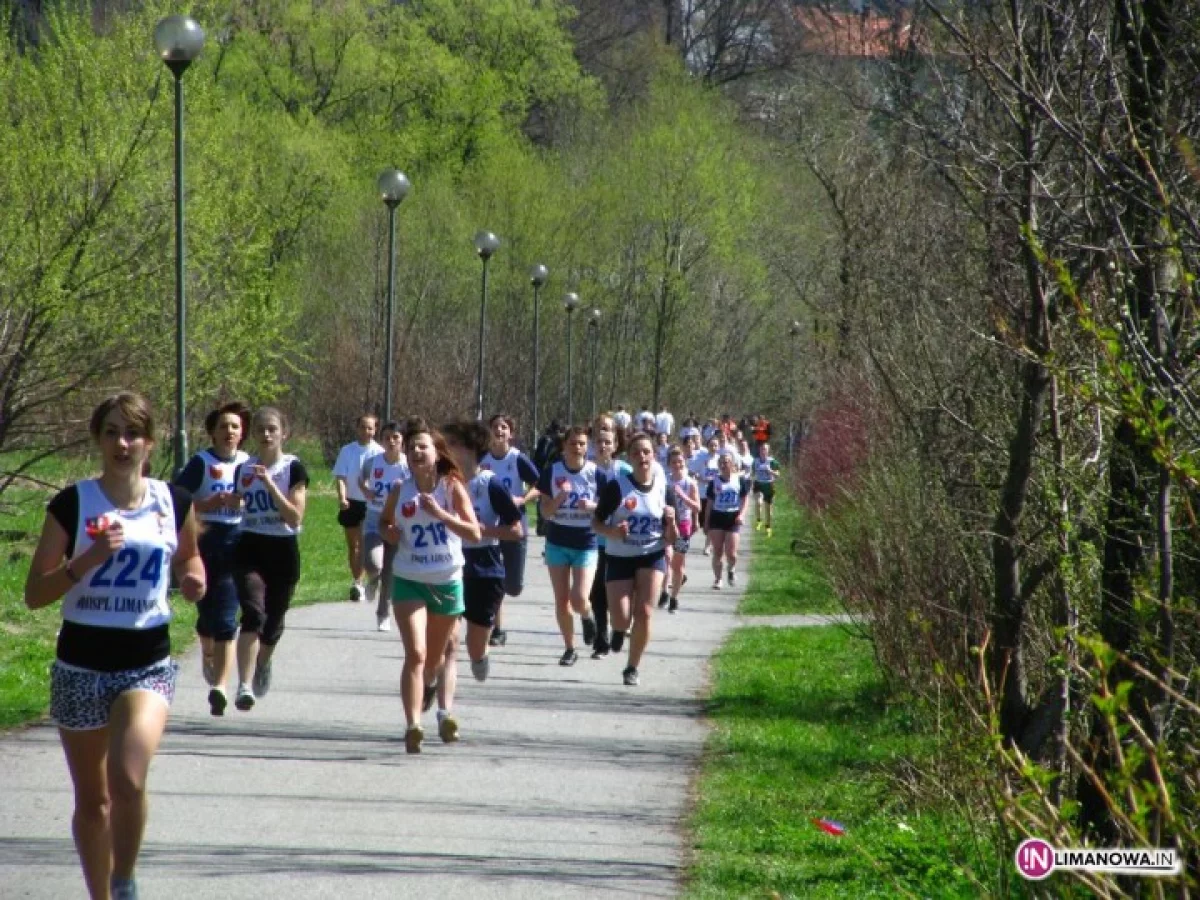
27,637
783,582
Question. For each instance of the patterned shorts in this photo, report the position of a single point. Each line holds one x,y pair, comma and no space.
81,699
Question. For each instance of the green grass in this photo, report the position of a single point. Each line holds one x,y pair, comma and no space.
782,582
27,637
803,731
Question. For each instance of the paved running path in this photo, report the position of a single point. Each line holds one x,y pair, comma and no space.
565,782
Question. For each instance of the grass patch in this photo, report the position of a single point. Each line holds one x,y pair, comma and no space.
803,731
27,637
781,581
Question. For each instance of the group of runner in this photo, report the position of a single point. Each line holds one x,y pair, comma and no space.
436,530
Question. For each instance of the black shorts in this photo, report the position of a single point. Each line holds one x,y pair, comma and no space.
766,490
482,597
353,515
623,568
723,521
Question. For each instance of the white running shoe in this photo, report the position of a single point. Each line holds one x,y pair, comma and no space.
357,593
480,668
717,583
383,624
732,576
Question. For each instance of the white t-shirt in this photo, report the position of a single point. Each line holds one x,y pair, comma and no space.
621,419
645,420
665,422
349,466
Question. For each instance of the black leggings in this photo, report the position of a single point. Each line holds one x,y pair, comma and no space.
266,570
599,595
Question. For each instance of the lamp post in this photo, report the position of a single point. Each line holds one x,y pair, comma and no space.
537,277
393,188
486,244
594,328
179,40
570,302
794,330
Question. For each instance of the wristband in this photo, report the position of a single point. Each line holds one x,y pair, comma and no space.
71,572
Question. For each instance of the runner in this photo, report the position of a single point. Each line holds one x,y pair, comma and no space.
662,449
762,432
636,513
107,548
352,504
515,471
727,496
664,422
745,459
709,471
766,471
687,507
483,568
607,468
209,478
427,516
568,491
378,475
622,418
273,487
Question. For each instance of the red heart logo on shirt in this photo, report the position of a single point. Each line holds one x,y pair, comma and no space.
409,509
214,472
246,480
96,527
379,473
564,484
631,503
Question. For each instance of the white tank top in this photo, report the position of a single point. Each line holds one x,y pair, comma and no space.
129,589
218,479
578,486
644,513
427,551
728,495
261,515
763,471
481,500
505,469
683,512
380,475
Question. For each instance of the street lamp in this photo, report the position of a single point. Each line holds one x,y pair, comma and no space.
179,40
537,277
393,188
486,244
594,328
794,330
570,302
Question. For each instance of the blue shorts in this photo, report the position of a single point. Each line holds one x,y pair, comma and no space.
570,557
216,613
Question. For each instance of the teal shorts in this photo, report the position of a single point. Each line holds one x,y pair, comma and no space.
570,557
440,599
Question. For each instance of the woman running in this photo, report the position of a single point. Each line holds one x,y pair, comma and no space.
706,463
379,473
568,491
107,548
483,567
727,496
517,473
210,478
274,489
428,517
607,468
766,471
636,513
687,508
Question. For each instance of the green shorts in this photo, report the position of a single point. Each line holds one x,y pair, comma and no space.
766,490
441,599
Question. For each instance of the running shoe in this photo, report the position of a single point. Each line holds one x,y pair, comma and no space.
447,729
498,638
262,679
600,649
245,698
618,641
428,697
717,583
413,738
356,593
209,667
630,676
122,888
383,623
217,702
706,550
663,599
481,667
732,577
568,658
674,607
589,630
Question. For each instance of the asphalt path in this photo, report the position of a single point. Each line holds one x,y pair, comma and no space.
565,782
